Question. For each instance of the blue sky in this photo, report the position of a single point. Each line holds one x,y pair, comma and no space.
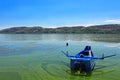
57,13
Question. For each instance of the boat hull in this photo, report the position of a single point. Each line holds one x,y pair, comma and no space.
82,65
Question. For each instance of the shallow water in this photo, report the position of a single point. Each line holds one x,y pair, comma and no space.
39,57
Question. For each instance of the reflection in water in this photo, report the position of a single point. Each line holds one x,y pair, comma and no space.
61,37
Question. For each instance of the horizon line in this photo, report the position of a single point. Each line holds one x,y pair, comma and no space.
87,25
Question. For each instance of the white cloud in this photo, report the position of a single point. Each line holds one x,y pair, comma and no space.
3,27
113,21
87,25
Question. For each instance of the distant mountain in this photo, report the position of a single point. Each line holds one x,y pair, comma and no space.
97,29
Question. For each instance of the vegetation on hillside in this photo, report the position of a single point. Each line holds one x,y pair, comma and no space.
97,29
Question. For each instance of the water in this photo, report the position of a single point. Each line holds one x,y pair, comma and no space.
39,57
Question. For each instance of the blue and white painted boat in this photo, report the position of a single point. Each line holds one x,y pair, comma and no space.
84,61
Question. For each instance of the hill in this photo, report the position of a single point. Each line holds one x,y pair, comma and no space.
97,29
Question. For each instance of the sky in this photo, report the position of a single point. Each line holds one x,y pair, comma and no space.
58,13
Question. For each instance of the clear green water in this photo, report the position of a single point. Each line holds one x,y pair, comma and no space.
39,57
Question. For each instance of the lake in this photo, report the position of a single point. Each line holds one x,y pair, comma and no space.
39,57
